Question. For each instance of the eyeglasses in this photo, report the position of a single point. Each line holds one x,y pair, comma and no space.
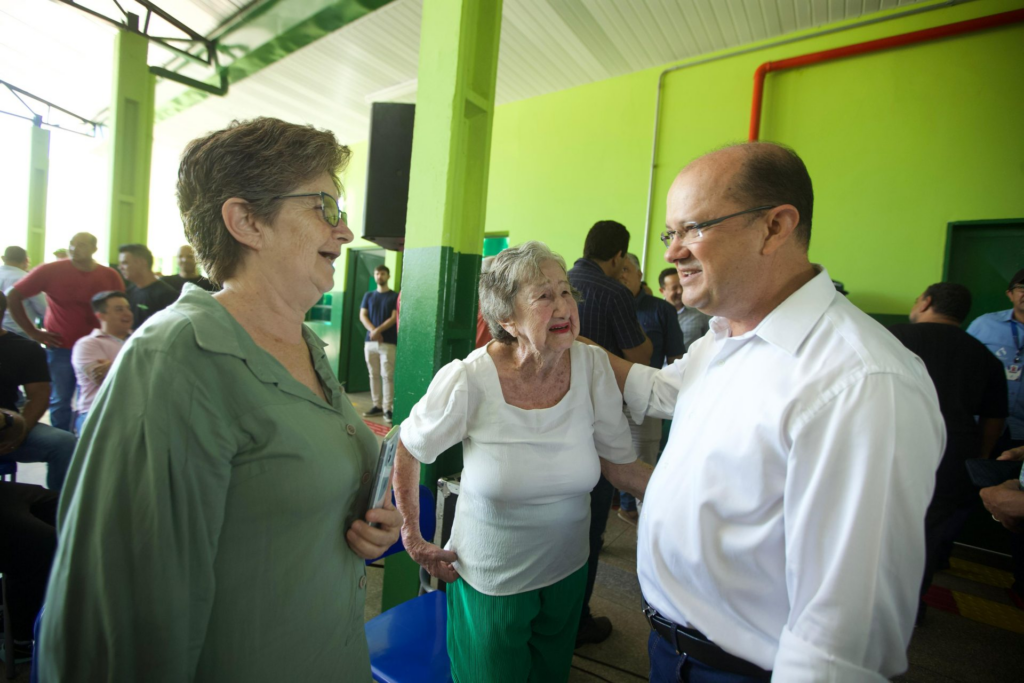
693,232
328,206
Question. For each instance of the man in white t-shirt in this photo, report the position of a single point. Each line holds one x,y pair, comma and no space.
782,532
92,355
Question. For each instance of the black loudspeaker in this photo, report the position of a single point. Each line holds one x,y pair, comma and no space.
387,174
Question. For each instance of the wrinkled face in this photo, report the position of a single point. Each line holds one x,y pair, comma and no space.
546,315
82,247
381,277
672,291
720,272
1016,297
117,319
186,261
630,276
132,267
301,246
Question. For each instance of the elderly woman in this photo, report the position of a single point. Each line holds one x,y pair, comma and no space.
208,527
540,418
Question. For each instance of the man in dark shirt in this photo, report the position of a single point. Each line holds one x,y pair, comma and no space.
972,397
658,318
379,313
608,318
147,295
22,437
187,273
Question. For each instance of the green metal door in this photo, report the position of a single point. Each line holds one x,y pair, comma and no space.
983,256
359,269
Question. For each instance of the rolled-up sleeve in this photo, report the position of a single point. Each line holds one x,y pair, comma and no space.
132,584
854,507
652,391
438,421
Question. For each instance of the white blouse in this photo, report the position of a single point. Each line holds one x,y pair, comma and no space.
523,512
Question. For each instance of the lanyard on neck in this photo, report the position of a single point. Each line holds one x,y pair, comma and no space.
1016,341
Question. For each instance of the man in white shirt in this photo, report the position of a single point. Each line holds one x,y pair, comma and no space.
14,268
782,533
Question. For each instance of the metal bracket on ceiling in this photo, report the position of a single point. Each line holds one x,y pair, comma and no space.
131,23
40,120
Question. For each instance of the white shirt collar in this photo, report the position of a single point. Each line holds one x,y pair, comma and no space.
790,322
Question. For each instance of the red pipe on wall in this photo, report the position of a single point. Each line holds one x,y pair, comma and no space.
935,33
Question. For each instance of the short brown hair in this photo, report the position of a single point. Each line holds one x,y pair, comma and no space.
255,160
772,175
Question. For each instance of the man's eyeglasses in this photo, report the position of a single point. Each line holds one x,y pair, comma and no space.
328,205
693,232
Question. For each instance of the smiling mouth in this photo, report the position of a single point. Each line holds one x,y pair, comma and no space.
329,257
560,329
690,272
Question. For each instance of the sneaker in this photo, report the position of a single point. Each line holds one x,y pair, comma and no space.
628,516
593,631
387,416
373,412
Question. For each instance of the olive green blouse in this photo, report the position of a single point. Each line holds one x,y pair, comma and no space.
202,525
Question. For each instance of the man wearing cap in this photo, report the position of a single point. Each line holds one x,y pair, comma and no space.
1003,333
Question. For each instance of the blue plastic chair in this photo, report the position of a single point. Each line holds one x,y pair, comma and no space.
408,642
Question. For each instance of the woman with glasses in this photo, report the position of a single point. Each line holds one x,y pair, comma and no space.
210,525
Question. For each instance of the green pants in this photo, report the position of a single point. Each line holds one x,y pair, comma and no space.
514,638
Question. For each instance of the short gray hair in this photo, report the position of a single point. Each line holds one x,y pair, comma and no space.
511,270
634,260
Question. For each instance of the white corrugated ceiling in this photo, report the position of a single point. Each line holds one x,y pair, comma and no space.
546,46
63,55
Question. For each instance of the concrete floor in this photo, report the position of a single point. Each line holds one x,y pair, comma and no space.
982,644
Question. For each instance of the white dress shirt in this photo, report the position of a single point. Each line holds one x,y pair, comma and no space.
524,501
785,519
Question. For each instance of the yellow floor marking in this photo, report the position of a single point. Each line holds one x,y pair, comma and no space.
992,613
980,573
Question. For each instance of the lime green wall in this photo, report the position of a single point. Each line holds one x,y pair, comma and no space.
898,144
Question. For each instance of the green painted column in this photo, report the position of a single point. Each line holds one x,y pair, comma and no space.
38,180
444,233
131,149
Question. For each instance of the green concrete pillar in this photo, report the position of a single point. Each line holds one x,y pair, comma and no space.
131,148
447,199
38,179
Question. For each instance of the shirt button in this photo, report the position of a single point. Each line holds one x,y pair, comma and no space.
362,582
351,429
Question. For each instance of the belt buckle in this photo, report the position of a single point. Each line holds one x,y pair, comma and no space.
649,614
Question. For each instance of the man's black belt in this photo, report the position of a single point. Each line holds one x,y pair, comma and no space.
691,642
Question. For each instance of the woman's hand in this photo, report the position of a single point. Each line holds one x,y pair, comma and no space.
368,542
437,561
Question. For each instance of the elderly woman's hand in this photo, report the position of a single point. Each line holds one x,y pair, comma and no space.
437,561
368,542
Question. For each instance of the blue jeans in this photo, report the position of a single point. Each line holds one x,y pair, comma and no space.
62,387
79,421
52,446
668,667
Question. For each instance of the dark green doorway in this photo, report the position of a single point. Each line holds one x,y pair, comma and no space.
983,256
359,267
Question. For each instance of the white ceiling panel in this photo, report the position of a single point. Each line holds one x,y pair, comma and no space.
61,54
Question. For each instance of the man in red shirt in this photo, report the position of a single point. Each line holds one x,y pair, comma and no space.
69,286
